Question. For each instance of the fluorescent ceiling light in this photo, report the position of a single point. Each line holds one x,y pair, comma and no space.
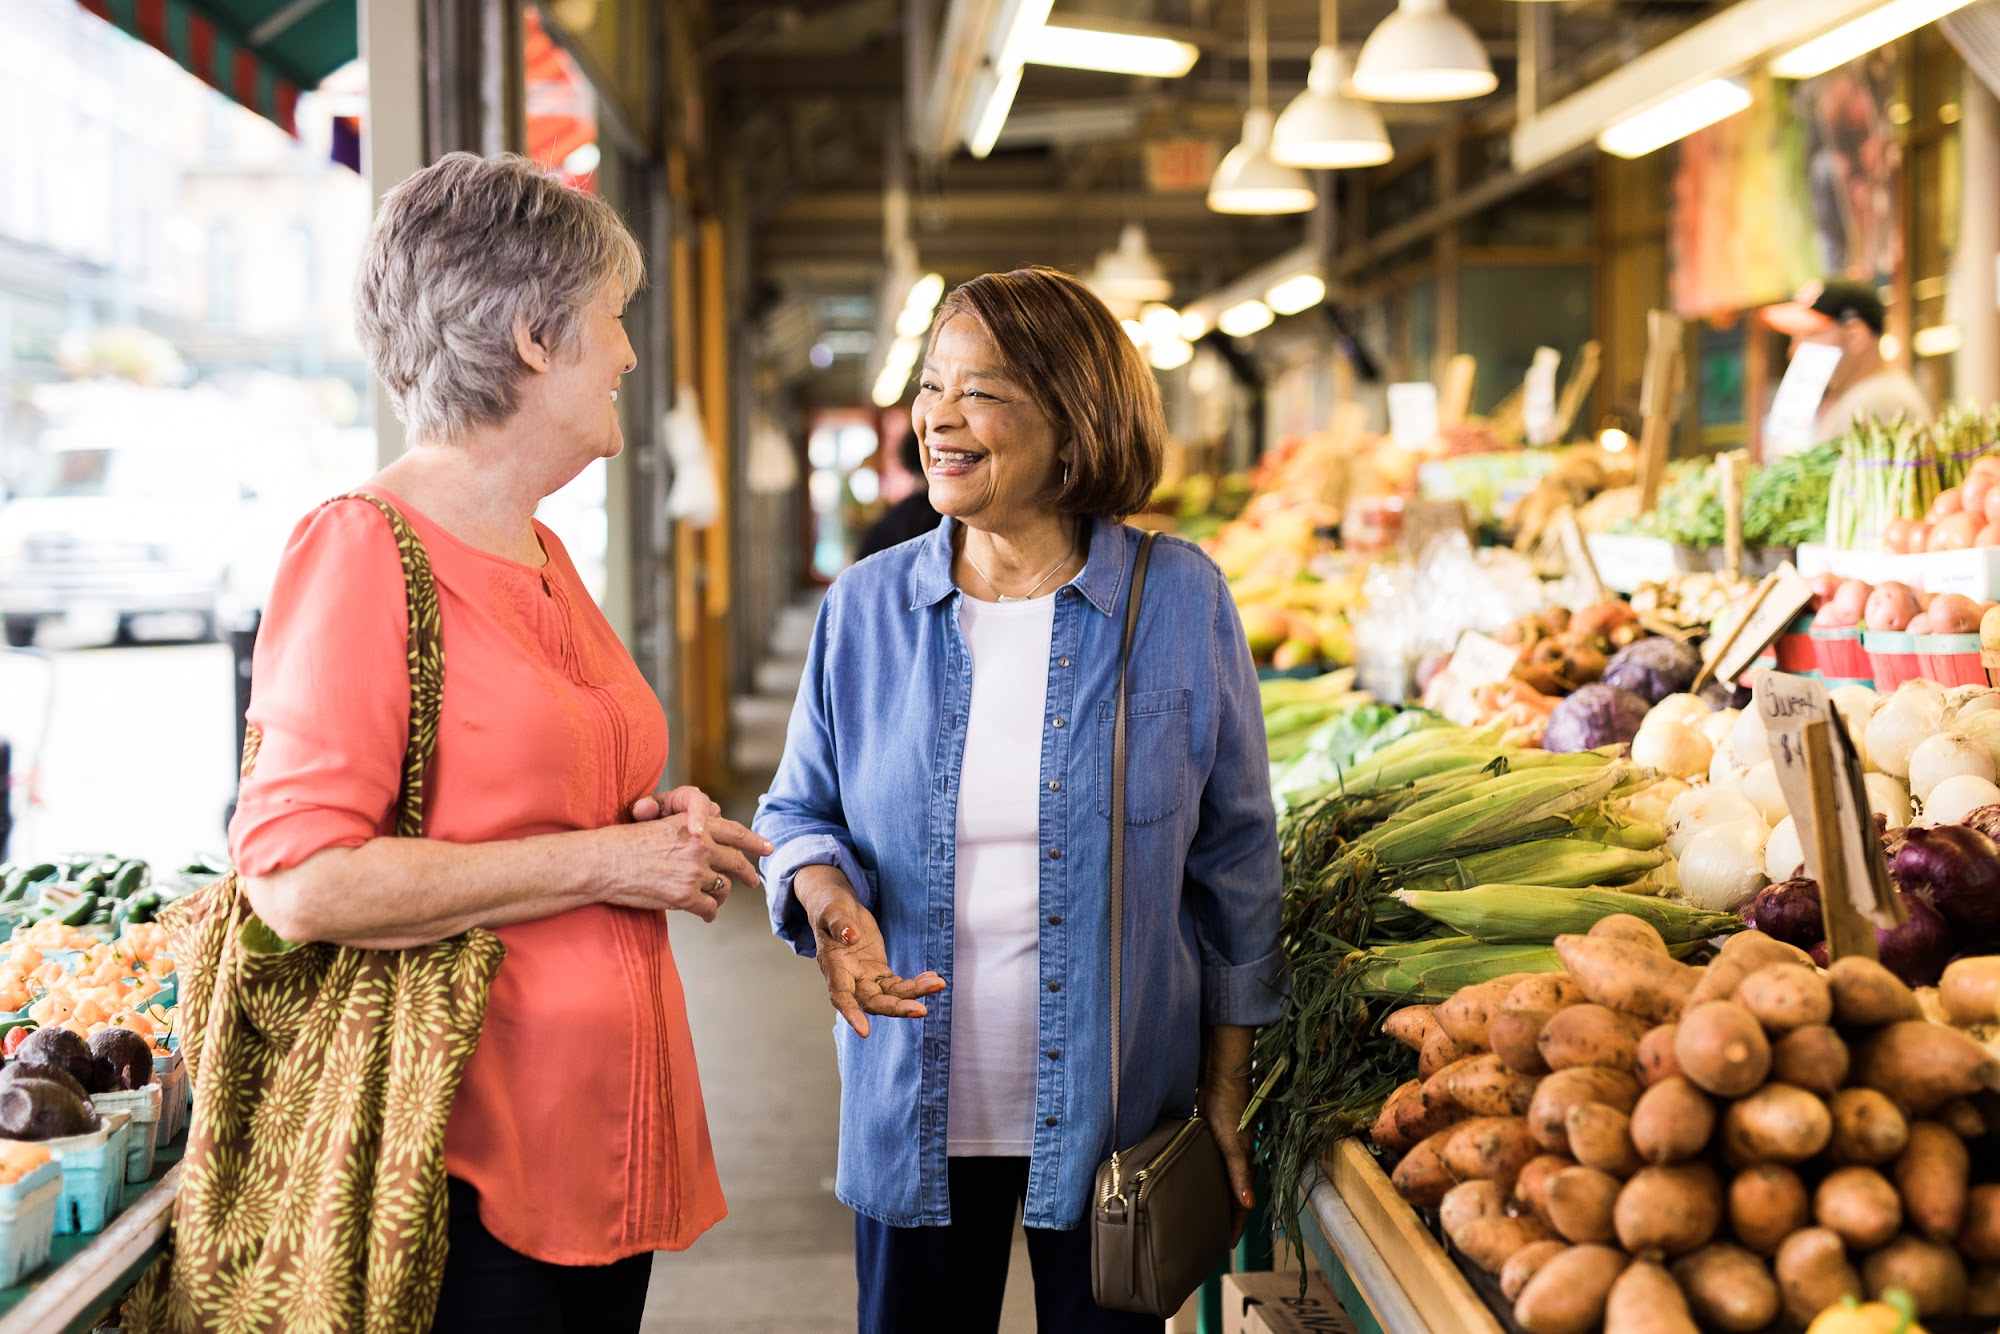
992,110
1860,36
1244,318
896,368
1324,127
1130,275
1194,324
1072,47
1170,353
1160,322
1422,53
1676,118
1248,181
1299,292
1000,76
915,318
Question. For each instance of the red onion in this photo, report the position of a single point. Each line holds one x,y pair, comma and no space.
1958,868
1789,912
1916,951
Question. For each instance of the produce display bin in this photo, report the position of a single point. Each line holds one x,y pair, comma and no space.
28,1222
1795,648
1893,656
1950,660
145,1106
176,1095
1990,660
93,1174
1838,653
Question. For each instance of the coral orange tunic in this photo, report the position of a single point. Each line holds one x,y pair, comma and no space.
580,1120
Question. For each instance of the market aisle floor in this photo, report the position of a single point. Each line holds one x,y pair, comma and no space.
783,1261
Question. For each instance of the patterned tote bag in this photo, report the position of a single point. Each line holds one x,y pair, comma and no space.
312,1195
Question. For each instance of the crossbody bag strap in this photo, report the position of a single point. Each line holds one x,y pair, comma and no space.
426,658
1118,832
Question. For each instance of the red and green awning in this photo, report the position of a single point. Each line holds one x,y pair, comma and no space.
261,53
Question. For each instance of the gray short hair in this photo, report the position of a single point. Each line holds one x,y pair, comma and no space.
461,252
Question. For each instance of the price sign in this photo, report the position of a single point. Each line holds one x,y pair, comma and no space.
1576,552
1780,598
1479,660
1538,397
1789,428
1820,775
1413,414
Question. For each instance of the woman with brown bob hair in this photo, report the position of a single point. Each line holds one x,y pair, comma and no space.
942,824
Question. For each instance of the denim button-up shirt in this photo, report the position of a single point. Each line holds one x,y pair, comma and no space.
870,784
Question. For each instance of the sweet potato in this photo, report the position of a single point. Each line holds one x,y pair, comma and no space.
1982,1293
1591,1035
1767,1203
1932,1274
1923,1065
1963,1118
1655,1058
1672,1122
1867,995
1412,1025
1422,1177
1979,1233
1627,977
1485,1086
1429,1110
1645,1299
1568,1293
1582,1203
1524,1263
1624,926
1728,1287
1669,1211
1474,1214
1813,1273
1859,1206
1742,954
1490,1148
1814,1057
1779,1123
1385,1134
1970,990
1516,1030
1601,1137
1439,1052
1932,1176
1548,1114
1786,996
1868,1129
1531,1186
1468,1012
1722,1049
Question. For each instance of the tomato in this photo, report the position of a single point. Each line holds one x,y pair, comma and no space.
1986,463
1993,505
1975,491
1949,501
1954,532
1989,536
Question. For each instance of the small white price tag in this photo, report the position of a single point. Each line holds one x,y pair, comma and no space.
1479,660
1789,428
1538,397
1784,595
1413,414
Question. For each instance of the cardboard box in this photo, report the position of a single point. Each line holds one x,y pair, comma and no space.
1269,1303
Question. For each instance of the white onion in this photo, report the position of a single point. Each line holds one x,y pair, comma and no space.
1969,702
1983,728
1651,804
1958,796
1722,867
1748,742
1724,772
1760,785
1717,725
1900,726
1672,748
1688,709
1856,705
1943,755
1702,808
1782,854
1888,798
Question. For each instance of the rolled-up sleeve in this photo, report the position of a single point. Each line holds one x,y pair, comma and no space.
1234,876
801,815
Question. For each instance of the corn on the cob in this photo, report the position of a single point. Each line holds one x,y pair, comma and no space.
1544,804
1558,862
1433,972
1505,914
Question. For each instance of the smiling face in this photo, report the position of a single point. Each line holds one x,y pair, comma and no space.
991,453
574,396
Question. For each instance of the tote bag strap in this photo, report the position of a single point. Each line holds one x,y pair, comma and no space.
1118,831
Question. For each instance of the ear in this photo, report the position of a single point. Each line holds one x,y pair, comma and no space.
533,355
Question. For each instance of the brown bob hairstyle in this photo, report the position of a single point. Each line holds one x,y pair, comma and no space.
1070,354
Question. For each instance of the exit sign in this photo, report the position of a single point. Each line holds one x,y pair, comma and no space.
1176,166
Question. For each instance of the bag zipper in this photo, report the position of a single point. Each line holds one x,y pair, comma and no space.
1165,1155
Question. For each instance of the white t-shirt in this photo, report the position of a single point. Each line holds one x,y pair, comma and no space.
1882,396
996,940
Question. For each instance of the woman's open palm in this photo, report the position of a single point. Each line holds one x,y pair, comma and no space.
854,960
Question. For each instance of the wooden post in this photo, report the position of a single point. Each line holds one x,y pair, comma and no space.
1731,466
1581,381
1659,401
1455,389
1848,933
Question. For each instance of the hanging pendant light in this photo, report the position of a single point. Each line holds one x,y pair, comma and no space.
1324,127
1422,53
1130,273
1248,181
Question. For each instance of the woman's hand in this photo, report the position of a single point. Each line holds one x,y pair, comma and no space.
686,861
853,958
1225,1093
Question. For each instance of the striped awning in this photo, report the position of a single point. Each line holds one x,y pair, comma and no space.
260,53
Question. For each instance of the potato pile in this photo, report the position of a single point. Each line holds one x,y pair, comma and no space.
1652,1148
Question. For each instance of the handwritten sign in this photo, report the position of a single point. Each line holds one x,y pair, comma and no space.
1780,598
1794,411
1820,775
1538,397
1413,414
1480,660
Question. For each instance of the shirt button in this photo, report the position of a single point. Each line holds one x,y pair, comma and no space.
1053,1054
1062,662
1055,786
1055,921
1055,854
1059,722
1055,986
1049,1121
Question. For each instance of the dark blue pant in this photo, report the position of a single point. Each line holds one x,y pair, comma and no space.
919,1280
490,1288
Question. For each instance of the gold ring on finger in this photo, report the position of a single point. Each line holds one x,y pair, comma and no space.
720,884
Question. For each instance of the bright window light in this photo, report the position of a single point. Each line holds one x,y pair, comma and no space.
1676,118
1244,318
1113,52
1299,292
1860,36
1940,340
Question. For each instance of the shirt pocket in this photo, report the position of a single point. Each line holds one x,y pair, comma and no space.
1156,749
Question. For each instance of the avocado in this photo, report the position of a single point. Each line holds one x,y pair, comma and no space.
19,1069
60,1048
126,1058
40,1109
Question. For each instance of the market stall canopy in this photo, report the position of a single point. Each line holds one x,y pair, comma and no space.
261,53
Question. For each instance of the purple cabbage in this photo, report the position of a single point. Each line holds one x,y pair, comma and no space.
1653,668
1596,715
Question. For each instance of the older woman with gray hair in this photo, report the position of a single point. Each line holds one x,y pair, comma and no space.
489,303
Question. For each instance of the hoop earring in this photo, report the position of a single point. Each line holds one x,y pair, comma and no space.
1065,480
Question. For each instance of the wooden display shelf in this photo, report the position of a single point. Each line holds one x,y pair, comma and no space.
1389,1271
